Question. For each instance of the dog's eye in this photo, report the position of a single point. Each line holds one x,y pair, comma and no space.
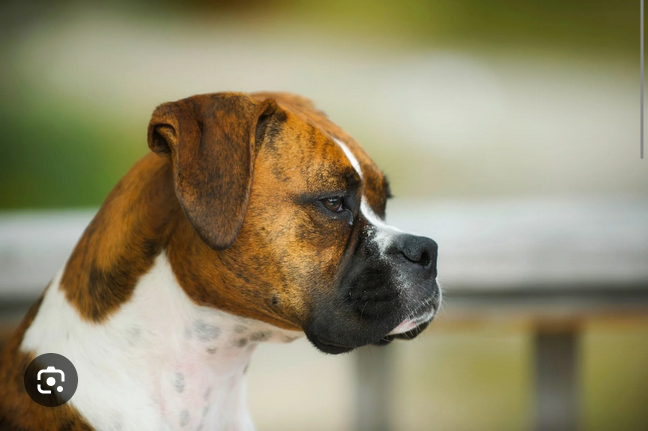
335,204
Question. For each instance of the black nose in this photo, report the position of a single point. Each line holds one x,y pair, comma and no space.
418,250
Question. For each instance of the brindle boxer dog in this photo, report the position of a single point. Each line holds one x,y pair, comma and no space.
253,219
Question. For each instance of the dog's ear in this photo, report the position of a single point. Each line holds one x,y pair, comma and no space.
212,141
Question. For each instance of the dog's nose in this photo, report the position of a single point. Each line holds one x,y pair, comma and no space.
418,250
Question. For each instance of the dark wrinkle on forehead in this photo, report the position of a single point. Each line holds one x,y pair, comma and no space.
312,136
274,130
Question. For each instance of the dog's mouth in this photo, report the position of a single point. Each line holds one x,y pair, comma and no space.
409,327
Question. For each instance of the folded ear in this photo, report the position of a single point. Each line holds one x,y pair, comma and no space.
213,141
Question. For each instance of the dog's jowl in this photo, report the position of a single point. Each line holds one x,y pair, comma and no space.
253,219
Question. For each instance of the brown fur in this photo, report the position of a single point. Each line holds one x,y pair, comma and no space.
123,239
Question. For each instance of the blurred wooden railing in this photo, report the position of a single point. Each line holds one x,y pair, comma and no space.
554,264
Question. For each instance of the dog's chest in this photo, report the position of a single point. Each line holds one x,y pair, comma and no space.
203,385
192,396
159,363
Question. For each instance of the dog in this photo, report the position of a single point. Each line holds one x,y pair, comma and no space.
253,219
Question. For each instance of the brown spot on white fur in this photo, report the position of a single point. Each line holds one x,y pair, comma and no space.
179,382
184,418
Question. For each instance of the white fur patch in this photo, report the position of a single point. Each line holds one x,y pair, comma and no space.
350,156
160,362
384,233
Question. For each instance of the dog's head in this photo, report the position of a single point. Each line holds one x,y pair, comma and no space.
284,222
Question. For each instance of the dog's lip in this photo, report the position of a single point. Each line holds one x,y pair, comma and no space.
333,344
329,346
411,323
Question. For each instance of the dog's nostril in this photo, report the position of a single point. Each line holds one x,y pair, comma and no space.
418,250
425,259
417,256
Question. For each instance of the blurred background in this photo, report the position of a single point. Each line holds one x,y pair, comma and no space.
509,131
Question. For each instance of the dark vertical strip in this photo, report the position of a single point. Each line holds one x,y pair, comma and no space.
374,389
556,373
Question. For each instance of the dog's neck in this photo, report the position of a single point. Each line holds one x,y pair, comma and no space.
160,362
147,355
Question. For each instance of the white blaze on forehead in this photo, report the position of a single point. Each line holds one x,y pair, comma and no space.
350,156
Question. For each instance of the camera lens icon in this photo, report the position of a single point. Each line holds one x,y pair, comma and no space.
51,381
